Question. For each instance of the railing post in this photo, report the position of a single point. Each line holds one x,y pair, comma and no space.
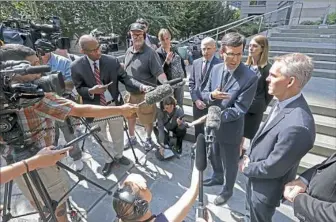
261,21
217,36
325,15
288,15
300,13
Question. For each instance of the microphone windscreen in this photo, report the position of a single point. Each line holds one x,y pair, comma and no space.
201,156
158,94
214,118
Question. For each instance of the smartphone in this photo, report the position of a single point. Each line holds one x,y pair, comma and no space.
108,84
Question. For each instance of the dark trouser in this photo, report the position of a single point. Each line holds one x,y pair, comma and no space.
75,153
225,158
197,113
258,211
178,134
178,95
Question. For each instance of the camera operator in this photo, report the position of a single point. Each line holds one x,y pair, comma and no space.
135,187
45,50
150,40
44,158
43,114
170,123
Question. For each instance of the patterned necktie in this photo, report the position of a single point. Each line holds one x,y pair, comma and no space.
205,67
225,79
98,82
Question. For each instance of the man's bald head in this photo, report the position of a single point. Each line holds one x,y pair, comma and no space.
90,47
86,40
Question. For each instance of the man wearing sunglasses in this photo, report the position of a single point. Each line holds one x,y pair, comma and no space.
96,78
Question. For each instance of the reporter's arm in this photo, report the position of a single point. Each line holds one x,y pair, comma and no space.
95,111
180,209
44,158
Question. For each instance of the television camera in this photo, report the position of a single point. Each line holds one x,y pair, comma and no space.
109,43
27,32
15,95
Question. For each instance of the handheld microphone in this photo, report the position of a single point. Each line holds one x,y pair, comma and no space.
201,164
158,94
24,70
201,157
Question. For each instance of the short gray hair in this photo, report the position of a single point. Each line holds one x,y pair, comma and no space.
296,65
84,39
233,39
208,41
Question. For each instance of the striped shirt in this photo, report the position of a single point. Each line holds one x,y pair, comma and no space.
40,116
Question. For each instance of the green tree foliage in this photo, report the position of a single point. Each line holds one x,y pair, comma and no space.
182,18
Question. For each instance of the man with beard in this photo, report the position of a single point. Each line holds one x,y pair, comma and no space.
144,65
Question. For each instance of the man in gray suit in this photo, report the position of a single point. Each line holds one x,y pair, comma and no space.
96,78
287,135
198,79
231,86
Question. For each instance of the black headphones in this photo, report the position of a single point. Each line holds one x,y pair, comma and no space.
140,205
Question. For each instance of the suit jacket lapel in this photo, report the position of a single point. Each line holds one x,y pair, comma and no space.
233,78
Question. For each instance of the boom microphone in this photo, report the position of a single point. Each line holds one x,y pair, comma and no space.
214,118
201,157
174,81
158,94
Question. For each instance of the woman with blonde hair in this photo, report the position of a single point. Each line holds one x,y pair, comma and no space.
257,61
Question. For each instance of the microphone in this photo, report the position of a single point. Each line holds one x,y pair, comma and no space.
158,94
212,123
11,63
201,157
174,81
26,70
201,164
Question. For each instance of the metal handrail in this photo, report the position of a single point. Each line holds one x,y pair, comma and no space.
326,15
243,21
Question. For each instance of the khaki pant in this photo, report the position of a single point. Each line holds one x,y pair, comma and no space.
145,113
55,181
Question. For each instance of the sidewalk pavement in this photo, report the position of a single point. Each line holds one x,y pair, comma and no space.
168,180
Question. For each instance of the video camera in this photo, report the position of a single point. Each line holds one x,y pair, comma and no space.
15,95
26,32
109,43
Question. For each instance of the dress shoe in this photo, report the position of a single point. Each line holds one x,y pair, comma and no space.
78,165
239,217
107,169
123,160
221,199
213,182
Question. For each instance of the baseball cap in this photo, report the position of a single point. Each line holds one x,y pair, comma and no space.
137,27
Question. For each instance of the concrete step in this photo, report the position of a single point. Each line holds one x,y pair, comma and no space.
296,39
320,151
312,27
315,56
318,31
322,48
311,34
325,125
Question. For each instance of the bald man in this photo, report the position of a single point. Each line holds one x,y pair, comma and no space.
96,78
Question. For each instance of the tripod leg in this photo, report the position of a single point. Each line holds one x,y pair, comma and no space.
7,201
98,140
129,140
37,203
81,177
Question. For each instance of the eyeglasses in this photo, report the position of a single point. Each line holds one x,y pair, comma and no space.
232,55
93,50
137,35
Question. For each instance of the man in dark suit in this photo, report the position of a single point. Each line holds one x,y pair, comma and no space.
96,78
313,194
231,86
198,79
287,135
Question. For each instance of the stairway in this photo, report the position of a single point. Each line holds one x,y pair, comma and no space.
320,92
